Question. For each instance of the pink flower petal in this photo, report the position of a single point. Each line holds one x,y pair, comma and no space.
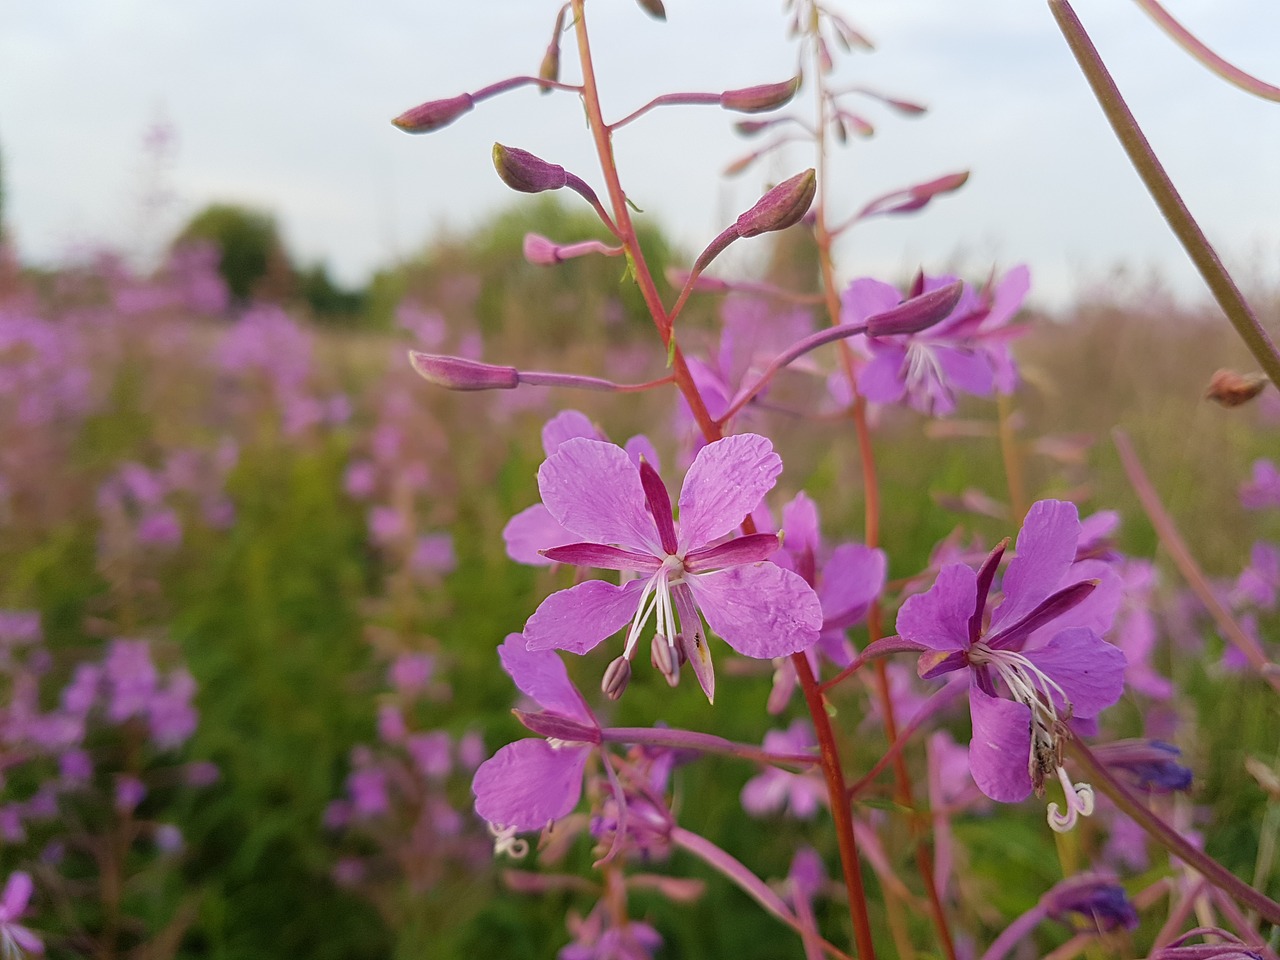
852,578
531,530
579,618
17,891
1001,746
939,617
594,489
528,784
1045,550
541,674
567,425
726,481
881,380
1089,670
762,611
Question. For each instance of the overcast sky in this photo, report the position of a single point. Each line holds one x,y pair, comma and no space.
284,105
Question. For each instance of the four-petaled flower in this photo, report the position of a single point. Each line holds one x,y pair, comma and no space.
1041,643
623,518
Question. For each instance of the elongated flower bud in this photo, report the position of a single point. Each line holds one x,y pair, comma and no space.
918,313
556,727
457,373
434,114
653,8
762,97
616,677
781,207
521,170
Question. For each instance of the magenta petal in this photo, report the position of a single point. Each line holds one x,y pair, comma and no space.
17,891
762,611
1001,746
540,674
24,938
800,521
965,370
881,381
602,557
567,425
528,784
1097,611
594,489
726,481
641,446
852,578
1045,550
1089,670
749,549
864,298
531,530
939,617
579,618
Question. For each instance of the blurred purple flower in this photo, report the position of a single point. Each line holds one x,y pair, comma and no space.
968,352
601,937
130,791
15,938
775,789
411,672
433,555
360,480
1263,489
431,753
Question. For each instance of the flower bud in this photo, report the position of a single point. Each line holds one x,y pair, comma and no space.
653,8
762,97
540,251
1231,389
781,207
434,114
521,170
556,727
456,373
616,677
917,314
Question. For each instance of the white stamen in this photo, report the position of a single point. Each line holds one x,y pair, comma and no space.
506,842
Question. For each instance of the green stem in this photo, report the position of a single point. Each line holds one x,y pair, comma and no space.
1161,188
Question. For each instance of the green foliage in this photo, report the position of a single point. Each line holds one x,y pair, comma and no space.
249,243
327,300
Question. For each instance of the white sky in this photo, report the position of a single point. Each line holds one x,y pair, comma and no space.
284,104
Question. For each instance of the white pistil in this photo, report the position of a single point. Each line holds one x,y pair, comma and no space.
1079,804
1032,686
506,842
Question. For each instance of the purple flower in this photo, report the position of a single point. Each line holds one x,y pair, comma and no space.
623,518
968,352
1263,489
602,936
1041,644
775,789
532,782
15,938
1096,899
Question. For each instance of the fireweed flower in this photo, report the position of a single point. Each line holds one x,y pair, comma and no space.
1041,644
15,938
968,352
774,790
532,782
622,516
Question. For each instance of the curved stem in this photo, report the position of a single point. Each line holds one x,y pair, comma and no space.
753,886
1167,837
1162,190
1190,43
1186,564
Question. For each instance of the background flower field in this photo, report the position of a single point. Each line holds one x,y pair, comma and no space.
281,512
